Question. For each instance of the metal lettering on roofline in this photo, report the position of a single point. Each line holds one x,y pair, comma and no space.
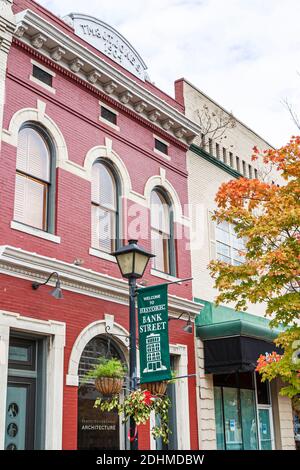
108,41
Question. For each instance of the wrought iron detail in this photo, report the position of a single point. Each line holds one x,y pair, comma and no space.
127,337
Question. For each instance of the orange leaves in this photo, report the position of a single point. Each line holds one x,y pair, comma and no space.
243,193
267,217
265,360
286,159
255,154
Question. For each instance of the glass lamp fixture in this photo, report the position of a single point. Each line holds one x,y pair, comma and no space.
188,327
56,292
132,260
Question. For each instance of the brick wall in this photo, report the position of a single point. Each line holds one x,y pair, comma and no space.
78,311
75,111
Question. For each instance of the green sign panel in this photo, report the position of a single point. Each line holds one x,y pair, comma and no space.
154,334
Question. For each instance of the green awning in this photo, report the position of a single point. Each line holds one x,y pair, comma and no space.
220,321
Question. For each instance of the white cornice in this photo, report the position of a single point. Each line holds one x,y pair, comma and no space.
31,26
34,267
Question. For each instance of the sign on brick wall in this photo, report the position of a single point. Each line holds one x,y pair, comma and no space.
154,334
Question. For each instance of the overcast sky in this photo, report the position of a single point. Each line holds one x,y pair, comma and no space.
244,54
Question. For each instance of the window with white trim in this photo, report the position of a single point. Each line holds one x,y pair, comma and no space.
104,208
108,115
42,75
162,233
228,245
160,146
35,180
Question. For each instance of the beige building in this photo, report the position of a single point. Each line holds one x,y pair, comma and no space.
235,410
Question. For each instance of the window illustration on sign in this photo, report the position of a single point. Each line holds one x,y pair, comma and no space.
153,350
153,333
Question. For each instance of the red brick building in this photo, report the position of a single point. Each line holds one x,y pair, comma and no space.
88,146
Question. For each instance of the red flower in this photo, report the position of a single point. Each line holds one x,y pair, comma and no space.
263,361
147,397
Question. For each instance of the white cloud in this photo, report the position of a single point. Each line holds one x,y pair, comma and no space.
244,54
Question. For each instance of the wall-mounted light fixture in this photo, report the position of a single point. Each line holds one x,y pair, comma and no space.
188,328
56,292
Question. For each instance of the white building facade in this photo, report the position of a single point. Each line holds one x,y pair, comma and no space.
235,410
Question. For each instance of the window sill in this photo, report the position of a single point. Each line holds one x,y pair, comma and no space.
110,124
162,275
161,154
42,84
35,232
102,255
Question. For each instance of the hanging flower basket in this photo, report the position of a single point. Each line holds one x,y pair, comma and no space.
108,376
138,405
156,388
109,385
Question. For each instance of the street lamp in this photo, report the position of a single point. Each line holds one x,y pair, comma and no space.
132,261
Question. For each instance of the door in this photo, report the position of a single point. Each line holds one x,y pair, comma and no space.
249,419
264,414
20,414
21,394
232,419
265,428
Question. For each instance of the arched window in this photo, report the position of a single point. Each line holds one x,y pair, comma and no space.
105,226
35,185
98,430
162,233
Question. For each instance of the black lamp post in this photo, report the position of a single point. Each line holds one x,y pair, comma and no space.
132,261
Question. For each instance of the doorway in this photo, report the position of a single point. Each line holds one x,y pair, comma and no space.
25,399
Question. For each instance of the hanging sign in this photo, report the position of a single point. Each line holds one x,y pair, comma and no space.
154,334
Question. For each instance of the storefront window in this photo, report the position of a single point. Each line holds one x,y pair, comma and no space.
265,428
235,412
219,418
249,425
232,419
263,391
243,412
97,430
297,430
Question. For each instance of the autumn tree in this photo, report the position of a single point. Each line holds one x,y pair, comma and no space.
266,217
